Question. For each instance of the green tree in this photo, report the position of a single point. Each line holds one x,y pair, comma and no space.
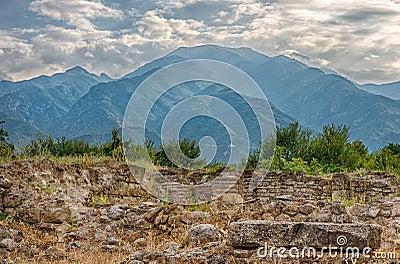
329,147
295,141
6,149
394,148
252,160
386,160
189,148
113,148
355,155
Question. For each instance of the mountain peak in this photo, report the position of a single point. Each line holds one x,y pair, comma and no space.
103,77
77,69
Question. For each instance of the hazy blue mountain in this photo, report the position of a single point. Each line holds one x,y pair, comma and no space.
94,115
307,94
156,64
389,90
79,104
243,58
38,103
315,99
18,131
103,107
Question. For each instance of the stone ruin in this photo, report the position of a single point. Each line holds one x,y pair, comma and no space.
285,210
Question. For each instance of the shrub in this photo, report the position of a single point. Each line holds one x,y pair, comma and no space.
188,148
6,149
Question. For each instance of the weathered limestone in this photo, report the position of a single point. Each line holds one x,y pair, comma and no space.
277,185
202,234
250,234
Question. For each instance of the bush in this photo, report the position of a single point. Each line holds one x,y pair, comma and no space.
355,155
6,149
297,150
295,141
329,147
386,160
188,148
330,151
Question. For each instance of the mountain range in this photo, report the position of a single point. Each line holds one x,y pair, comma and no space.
389,90
78,104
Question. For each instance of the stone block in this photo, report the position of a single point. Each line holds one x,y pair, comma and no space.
251,234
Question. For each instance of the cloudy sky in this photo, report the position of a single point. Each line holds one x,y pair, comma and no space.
359,39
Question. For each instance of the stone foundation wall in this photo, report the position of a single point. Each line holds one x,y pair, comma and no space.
37,191
369,187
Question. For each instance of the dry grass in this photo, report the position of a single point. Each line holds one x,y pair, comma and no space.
83,257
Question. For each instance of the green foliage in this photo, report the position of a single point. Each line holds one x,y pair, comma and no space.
216,167
329,147
189,148
349,201
3,216
298,150
355,155
114,147
295,141
63,147
58,147
297,165
47,189
204,207
386,160
252,160
6,149
394,148
102,199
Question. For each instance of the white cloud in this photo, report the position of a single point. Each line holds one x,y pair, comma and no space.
75,12
356,38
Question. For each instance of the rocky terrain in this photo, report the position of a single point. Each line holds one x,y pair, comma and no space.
98,213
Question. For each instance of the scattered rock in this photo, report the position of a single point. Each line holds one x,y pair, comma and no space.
216,259
73,245
8,244
338,208
285,197
383,183
56,215
306,209
52,253
359,210
116,212
173,245
273,208
5,183
197,215
109,247
61,201
283,217
112,241
140,242
290,210
150,216
373,212
267,216
202,234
